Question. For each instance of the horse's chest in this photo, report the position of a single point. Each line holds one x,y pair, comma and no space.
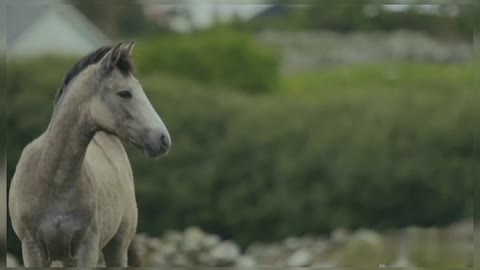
60,228
64,221
66,216
64,205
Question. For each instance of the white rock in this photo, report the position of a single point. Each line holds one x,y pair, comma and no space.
225,253
12,261
246,262
366,238
193,239
301,258
173,237
209,241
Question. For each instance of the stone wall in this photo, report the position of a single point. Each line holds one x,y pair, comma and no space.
450,246
311,50
412,247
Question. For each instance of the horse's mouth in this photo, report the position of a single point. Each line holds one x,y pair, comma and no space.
141,147
138,145
151,149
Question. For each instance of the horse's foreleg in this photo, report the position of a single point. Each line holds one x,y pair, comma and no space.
134,258
115,253
32,254
87,253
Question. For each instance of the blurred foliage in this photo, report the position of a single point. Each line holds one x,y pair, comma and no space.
217,57
3,103
353,149
125,18
366,15
117,18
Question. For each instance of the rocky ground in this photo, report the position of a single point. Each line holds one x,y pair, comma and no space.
451,246
419,247
303,51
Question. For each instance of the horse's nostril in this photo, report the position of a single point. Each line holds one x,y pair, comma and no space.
164,141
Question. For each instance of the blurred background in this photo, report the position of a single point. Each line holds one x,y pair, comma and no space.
3,176
320,134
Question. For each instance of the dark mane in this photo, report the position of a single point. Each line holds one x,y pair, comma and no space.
123,64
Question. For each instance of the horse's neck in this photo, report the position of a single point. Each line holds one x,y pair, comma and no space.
65,144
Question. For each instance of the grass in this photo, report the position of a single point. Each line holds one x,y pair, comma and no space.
380,78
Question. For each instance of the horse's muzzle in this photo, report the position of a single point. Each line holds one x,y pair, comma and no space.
157,144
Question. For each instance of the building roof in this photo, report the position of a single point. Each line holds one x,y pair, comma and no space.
22,16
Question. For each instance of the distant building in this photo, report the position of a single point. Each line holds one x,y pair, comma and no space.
54,27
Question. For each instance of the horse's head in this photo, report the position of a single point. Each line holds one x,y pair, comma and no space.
120,106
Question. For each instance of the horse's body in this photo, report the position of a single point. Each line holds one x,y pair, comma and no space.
64,219
72,195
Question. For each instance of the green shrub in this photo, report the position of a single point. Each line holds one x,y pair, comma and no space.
264,168
216,57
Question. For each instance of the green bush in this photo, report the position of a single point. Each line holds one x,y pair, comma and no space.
216,57
264,167
267,168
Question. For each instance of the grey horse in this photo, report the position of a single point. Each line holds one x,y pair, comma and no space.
72,195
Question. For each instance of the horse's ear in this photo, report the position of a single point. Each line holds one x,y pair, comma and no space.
111,57
130,48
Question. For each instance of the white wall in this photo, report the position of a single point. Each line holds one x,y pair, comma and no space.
51,34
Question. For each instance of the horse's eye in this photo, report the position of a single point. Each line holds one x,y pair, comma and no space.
125,94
